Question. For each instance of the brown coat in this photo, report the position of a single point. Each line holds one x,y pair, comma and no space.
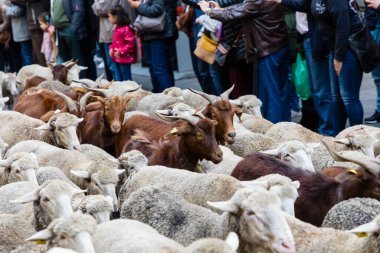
263,23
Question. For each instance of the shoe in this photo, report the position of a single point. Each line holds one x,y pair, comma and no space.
375,118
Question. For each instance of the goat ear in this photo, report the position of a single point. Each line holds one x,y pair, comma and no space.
184,129
232,240
42,235
78,191
29,197
344,141
93,106
272,152
225,206
296,184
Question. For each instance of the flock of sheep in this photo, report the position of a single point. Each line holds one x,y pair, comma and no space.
91,166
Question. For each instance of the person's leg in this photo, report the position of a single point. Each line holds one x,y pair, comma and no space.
63,46
375,118
240,74
2,57
321,90
88,50
14,57
161,64
110,63
194,59
350,80
118,76
37,38
147,60
103,53
338,109
216,80
273,86
26,52
125,70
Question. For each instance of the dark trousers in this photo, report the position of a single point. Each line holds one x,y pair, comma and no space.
69,47
10,58
26,52
37,38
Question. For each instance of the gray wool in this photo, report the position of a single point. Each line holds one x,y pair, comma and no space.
193,187
209,245
97,154
174,217
352,213
257,124
11,192
54,85
226,166
95,203
105,175
128,114
73,225
49,172
3,147
17,162
247,143
158,101
133,160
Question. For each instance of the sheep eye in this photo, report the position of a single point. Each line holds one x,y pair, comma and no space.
62,237
251,213
46,199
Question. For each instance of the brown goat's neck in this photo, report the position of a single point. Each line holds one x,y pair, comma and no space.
187,160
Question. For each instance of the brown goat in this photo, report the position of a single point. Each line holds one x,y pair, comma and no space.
318,193
195,141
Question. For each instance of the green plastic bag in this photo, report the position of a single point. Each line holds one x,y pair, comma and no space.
300,78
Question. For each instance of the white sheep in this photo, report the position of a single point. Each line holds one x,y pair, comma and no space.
255,124
3,100
79,232
295,152
226,166
311,239
96,177
60,130
21,166
254,213
3,147
149,104
54,85
99,206
13,191
8,84
249,104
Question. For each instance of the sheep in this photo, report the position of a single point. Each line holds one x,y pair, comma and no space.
8,84
96,177
225,166
54,85
318,193
3,147
13,191
247,142
310,239
249,104
183,222
132,161
352,213
51,200
149,104
3,100
60,130
296,153
45,173
97,154
177,109
200,188
79,232
255,124
18,167
128,115
99,206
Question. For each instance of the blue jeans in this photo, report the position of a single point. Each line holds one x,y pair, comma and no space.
122,72
26,52
319,80
376,71
345,92
111,64
161,67
274,86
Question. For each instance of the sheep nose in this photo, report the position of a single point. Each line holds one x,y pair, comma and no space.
232,134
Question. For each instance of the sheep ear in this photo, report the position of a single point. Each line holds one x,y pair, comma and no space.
80,120
255,183
29,197
80,173
225,206
296,184
78,191
5,99
5,163
118,171
164,112
233,241
370,227
272,152
42,235
344,141
44,127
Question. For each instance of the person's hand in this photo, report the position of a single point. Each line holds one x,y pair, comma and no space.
373,3
204,5
117,53
337,66
134,3
3,7
214,5
51,30
110,52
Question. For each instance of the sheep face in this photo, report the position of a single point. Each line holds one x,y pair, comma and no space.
98,206
10,83
71,232
132,161
261,221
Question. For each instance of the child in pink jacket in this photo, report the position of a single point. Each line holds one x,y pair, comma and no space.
123,48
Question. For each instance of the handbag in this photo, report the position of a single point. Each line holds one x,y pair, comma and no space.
365,49
150,25
300,78
184,22
225,53
205,49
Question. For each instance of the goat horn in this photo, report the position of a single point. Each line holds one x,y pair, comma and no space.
105,92
68,101
361,159
225,95
205,95
191,119
83,101
131,90
67,62
98,80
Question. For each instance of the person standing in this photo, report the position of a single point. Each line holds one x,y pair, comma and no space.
160,44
